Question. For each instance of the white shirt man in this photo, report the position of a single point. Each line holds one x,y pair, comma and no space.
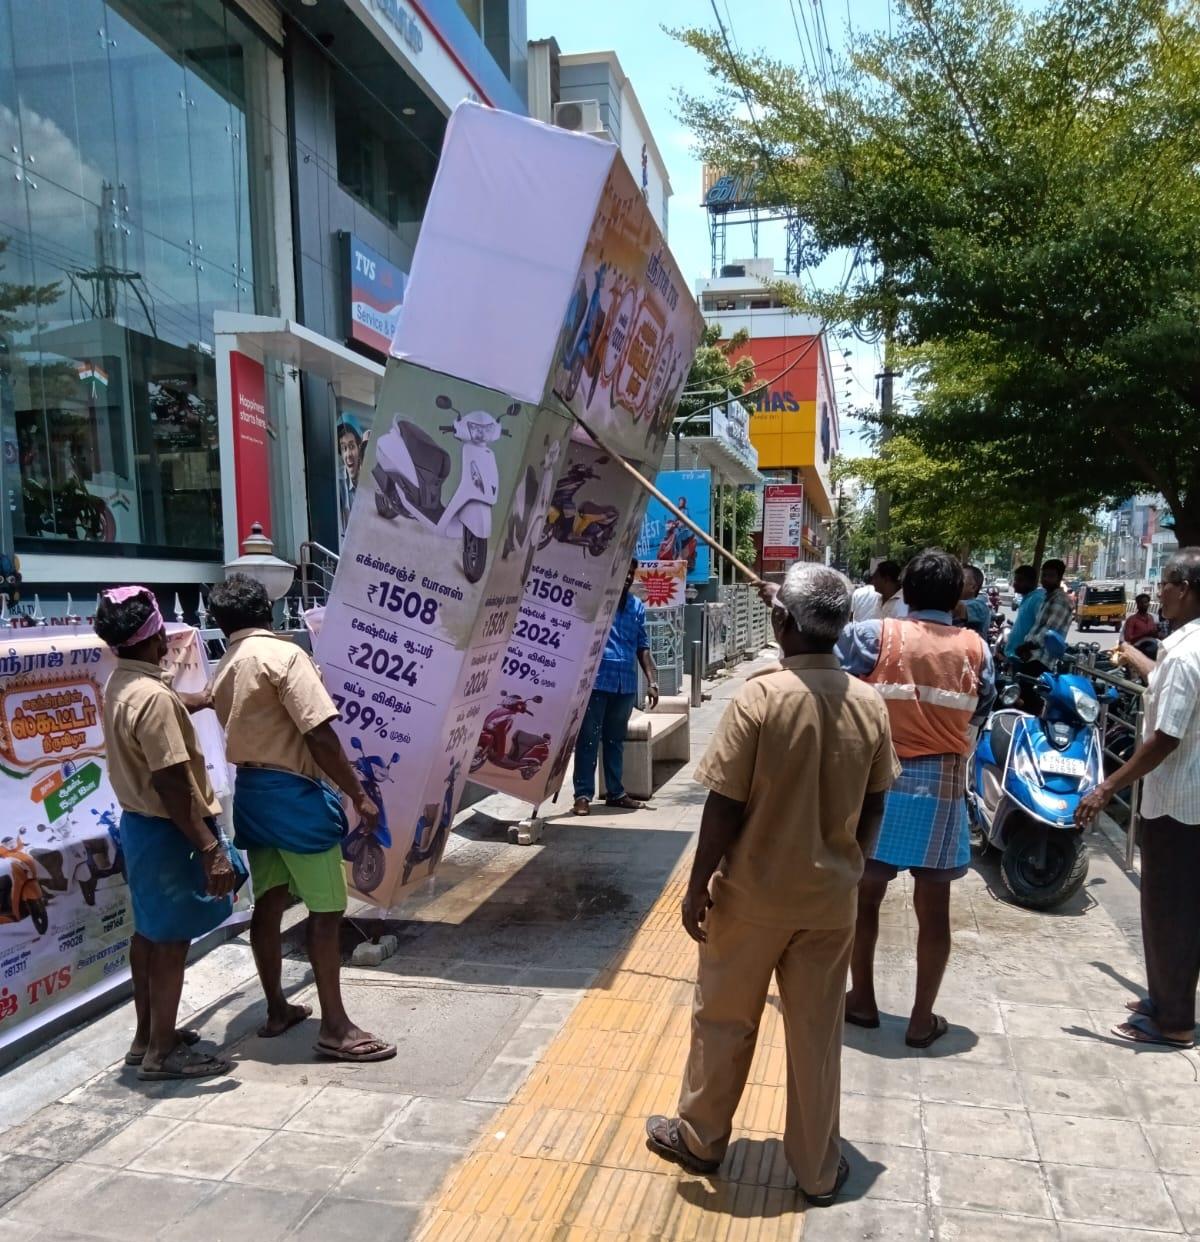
1173,706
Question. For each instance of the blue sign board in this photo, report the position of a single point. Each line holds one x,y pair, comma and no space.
664,537
376,292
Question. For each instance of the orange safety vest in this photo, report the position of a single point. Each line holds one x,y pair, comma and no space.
929,676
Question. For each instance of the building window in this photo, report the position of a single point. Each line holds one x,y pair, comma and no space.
133,207
384,161
474,11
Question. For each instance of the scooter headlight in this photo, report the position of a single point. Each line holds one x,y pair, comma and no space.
1086,706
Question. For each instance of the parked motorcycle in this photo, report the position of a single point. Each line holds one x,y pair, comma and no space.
1029,775
590,526
362,847
436,823
527,752
581,336
21,895
411,469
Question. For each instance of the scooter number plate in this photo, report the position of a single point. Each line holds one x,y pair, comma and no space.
1061,765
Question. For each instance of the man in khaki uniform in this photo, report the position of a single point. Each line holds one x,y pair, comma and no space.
797,771
278,719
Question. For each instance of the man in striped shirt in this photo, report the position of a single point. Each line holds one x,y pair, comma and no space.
614,696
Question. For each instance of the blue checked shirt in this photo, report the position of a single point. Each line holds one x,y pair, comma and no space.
618,672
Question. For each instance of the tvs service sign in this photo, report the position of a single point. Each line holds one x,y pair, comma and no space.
375,293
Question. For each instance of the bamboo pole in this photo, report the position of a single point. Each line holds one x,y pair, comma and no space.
744,570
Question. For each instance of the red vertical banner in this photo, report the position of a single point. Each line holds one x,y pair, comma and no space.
251,450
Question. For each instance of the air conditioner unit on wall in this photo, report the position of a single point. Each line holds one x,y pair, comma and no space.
580,115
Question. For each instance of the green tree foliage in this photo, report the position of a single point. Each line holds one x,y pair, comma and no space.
713,374
734,504
1022,188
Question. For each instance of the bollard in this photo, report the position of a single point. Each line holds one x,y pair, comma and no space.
697,671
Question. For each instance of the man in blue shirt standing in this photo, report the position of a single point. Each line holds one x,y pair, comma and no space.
1025,584
614,696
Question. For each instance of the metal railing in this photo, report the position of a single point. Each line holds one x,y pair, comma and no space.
318,565
1121,731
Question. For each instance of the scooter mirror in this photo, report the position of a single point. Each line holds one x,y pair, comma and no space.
537,698
444,403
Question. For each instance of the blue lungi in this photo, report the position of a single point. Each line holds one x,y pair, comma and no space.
167,881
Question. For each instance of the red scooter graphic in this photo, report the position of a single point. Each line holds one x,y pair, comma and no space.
528,750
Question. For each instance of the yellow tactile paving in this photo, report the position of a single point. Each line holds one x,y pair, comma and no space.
566,1160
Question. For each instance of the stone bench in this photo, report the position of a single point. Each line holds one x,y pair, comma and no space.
662,735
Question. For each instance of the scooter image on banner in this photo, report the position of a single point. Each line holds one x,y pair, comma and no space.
422,850
581,336
411,469
679,541
590,526
21,896
528,750
66,861
363,848
530,506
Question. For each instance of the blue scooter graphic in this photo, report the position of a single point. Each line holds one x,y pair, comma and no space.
422,850
364,848
1028,777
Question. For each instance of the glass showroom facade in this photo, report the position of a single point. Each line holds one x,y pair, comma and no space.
130,211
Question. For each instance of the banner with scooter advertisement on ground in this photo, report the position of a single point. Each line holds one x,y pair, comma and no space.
65,917
567,608
454,490
664,537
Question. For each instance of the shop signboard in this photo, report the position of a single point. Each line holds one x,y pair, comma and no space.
451,500
783,521
664,537
375,293
251,452
65,917
661,584
731,423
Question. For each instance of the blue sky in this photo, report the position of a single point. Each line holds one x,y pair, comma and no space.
657,65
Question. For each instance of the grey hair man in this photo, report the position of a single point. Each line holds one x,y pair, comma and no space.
796,773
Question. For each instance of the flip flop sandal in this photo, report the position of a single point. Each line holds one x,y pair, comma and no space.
1143,1030
940,1027
828,1200
625,803
1143,1008
187,1037
663,1138
369,1049
180,1063
869,1024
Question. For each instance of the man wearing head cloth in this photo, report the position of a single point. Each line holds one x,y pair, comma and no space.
180,873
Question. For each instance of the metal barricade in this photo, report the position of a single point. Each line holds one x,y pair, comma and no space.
664,628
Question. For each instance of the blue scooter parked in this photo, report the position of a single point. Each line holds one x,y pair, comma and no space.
1029,775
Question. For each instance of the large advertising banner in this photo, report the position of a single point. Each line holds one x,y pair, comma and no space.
783,521
664,537
251,455
630,331
374,294
570,594
453,494
65,917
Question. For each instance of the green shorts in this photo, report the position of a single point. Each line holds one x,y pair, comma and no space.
318,880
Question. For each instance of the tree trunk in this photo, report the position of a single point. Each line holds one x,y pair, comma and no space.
1186,516
1040,549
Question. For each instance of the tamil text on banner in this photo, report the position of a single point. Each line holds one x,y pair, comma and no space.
783,521
662,584
65,917
570,594
664,537
453,493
